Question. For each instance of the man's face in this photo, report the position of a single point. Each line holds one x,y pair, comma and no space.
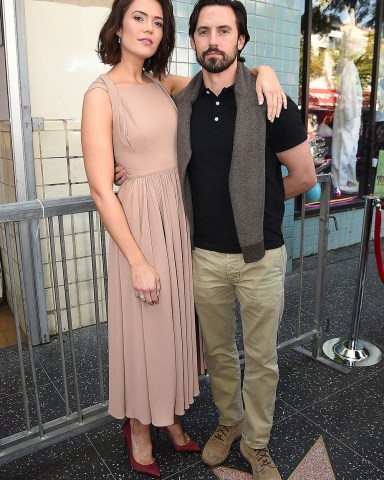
216,40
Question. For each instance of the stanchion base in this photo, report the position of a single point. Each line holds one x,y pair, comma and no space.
365,354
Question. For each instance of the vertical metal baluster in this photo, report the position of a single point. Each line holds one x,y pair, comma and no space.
17,326
105,268
321,263
96,300
58,313
302,230
29,338
69,318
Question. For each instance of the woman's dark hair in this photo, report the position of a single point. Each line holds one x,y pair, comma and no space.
238,9
108,46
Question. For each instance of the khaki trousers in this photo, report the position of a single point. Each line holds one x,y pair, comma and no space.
259,286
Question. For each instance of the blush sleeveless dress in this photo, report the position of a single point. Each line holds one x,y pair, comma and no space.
152,349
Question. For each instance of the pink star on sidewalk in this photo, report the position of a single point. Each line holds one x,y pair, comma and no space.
315,466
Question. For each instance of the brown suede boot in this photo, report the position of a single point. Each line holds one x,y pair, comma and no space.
217,448
261,462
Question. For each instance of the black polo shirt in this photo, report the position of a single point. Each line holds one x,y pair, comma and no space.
212,133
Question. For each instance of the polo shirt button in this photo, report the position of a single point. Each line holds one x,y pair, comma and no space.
217,103
208,92
216,119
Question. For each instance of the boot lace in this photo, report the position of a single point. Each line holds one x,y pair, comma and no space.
263,458
221,432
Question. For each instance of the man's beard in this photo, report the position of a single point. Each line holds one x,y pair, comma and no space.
216,64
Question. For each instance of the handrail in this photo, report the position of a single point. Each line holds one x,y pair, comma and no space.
39,209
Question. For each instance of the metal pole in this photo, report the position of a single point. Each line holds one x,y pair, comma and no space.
29,338
325,182
363,260
58,313
352,351
17,325
300,302
97,309
69,318
23,164
104,260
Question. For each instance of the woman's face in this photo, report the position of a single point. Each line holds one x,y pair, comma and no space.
142,29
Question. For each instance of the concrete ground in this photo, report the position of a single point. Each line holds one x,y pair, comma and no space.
313,399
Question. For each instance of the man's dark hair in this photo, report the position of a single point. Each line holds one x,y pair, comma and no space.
238,9
108,46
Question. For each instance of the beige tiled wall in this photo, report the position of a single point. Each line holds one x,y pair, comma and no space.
8,194
59,165
6,263
60,172
7,182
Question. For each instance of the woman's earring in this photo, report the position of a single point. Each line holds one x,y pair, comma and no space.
118,39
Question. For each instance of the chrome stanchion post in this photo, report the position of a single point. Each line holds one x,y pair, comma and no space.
363,260
352,351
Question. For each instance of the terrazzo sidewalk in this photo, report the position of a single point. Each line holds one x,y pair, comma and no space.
313,400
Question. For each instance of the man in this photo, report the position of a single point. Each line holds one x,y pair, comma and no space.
230,171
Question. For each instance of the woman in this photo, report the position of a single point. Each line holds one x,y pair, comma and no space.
129,118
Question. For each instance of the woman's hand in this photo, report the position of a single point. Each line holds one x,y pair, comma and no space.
146,282
268,86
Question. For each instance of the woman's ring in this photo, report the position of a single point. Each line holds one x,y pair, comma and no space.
142,296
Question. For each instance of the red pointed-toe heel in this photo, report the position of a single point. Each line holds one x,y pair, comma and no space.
152,469
190,447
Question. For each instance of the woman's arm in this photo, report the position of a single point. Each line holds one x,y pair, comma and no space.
268,86
96,136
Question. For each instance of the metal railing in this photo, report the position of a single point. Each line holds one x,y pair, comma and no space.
37,433
79,414
314,335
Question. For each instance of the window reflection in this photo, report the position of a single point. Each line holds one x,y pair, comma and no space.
378,153
340,77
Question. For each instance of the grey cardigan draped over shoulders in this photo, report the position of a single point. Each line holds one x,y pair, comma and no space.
247,174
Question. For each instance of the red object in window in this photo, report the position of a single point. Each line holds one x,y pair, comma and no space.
377,241
326,99
322,98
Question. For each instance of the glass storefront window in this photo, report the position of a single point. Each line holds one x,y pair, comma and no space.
339,95
378,149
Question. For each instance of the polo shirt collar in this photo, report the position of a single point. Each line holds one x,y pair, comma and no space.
204,89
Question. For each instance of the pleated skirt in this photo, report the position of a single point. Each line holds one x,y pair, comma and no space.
153,350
